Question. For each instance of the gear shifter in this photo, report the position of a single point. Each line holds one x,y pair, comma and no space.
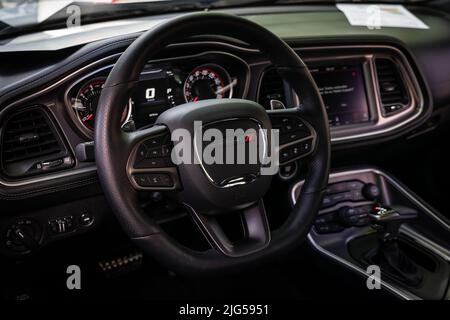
387,220
388,255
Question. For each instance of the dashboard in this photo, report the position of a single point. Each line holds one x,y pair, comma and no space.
375,89
368,92
365,91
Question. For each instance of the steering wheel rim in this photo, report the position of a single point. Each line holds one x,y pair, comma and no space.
113,146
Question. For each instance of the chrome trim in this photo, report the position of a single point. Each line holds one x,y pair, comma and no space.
273,102
73,114
425,242
49,176
408,231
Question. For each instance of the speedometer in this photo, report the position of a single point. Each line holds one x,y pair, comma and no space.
207,82
86,102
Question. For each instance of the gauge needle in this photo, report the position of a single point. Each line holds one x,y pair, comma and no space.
77,105
89,116
227,87
195,99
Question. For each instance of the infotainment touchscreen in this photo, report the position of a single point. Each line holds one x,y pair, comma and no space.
343,92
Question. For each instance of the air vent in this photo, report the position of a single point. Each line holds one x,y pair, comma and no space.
31,144
392,88
272,90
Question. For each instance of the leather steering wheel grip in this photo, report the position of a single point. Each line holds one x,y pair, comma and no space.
112,148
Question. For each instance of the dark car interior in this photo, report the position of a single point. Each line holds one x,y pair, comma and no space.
87,178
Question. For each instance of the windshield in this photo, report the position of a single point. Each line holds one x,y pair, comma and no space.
21,16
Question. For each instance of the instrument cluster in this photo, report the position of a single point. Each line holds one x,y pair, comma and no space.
162,85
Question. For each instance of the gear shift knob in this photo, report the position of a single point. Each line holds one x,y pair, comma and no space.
387,220
388,254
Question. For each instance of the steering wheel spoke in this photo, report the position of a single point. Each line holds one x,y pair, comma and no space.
256,231
149,166
297,137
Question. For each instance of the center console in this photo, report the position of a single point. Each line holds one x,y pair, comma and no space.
368,218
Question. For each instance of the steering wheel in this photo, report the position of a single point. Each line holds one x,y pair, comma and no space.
209,191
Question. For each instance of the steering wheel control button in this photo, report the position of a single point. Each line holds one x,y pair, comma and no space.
296,137
153,180
299,125
296,151
290,124
141,180
154,153
152,163
285,155
156,141
293,136
288,171
142,151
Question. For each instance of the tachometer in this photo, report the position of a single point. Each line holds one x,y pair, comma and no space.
86,102
207,82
